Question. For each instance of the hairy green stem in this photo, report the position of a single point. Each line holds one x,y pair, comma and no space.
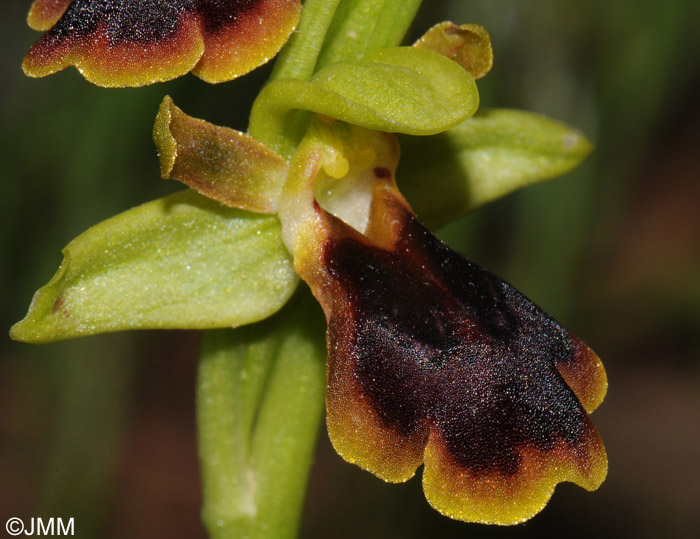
362,26
233,367
298,58
298,61
260,401
284,440
392,24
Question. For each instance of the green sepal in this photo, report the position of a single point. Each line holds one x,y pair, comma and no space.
398,90
182,261
490,155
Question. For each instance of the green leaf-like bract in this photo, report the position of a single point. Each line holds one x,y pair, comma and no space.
182,261
399,90
487,157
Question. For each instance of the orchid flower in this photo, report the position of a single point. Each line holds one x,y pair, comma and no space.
432,360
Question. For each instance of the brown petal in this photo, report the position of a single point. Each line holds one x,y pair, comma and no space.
221,163
136,42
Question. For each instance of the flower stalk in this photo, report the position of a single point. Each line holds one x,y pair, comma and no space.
259,406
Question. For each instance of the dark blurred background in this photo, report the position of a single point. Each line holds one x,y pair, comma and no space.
102,429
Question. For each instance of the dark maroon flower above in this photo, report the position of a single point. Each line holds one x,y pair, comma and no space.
136,42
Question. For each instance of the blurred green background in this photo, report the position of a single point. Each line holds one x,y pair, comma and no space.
102,429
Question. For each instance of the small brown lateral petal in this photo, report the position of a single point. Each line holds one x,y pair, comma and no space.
135,42
221,163
469,45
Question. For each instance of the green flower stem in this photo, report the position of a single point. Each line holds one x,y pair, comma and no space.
260,402
298,58
232,371
298,61
261,388
362,26
391,25
284,441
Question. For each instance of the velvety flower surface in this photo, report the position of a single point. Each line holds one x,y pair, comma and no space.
432,359
136,42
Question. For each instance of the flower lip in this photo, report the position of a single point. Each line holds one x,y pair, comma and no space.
136,42
433,360
440,352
